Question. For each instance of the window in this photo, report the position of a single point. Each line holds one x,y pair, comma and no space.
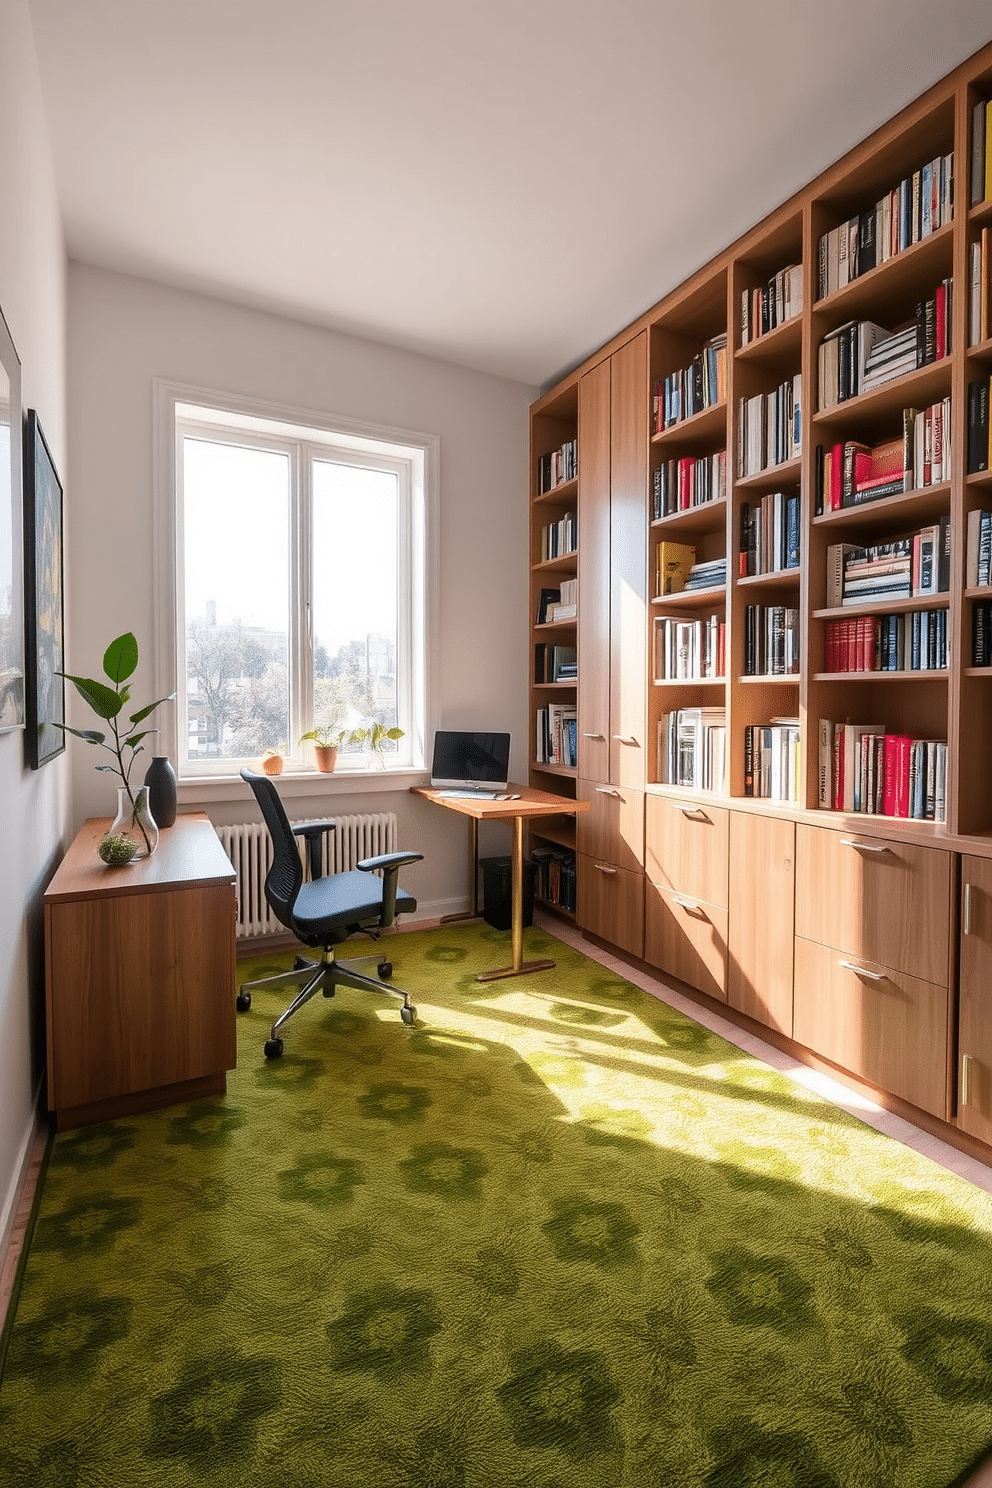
300,589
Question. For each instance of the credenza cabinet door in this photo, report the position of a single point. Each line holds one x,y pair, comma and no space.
762,918
613,827
687,938
610,903
686,847
974,1074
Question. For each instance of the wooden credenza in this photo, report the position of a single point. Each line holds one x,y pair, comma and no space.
139,973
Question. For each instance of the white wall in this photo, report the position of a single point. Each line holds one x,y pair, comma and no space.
34,806
123,333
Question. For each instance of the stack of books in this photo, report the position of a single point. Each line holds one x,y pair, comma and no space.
555,663
862,768
920,205
558,604
769,535
559,466
557,735
769,427
772,760
692,748
978,569
981,635
888,643
691,389
711,575
772,304
771,641
691,481
554,880
851,473
907,566
860,356
688,647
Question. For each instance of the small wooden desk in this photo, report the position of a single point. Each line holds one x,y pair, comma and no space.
139,974
529,803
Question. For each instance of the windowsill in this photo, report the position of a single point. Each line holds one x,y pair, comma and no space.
201,790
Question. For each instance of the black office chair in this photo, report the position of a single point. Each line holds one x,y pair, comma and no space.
325,911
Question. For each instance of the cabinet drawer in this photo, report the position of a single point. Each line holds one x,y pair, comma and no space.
687,938
762,926
889,901
885,1026
686,848
612,830
610,903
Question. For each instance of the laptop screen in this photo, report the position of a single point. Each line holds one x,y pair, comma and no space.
470,759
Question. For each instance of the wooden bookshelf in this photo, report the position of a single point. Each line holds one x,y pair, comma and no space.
620,443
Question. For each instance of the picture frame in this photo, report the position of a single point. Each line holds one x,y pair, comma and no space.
43,593
11,538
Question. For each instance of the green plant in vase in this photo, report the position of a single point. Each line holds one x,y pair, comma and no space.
120,660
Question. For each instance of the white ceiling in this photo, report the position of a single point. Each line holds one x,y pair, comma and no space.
501,183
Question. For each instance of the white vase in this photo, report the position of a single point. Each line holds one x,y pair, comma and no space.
136,822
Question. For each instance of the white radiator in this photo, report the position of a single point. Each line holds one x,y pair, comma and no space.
249,847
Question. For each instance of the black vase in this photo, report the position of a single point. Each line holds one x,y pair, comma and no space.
160,779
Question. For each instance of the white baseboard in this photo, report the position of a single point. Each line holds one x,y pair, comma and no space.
15,1188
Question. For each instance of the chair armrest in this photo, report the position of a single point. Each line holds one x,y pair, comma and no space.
390,864
388,860
313,832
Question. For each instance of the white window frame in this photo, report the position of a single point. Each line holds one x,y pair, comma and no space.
181,409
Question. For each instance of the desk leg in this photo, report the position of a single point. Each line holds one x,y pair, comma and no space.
520,967
473,913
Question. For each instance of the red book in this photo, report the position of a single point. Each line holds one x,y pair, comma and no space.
941,322
836,477
838,768
898,748
890,794
684,466
851,645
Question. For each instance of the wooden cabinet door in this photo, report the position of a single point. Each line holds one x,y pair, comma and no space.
594,574
128,1012
686,848
888,901
610,903
629,564
882,1025
613,827
762,918
687,938
974,1109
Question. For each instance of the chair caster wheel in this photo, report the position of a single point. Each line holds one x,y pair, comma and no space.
385,969
408,1014
274,1048
243,1002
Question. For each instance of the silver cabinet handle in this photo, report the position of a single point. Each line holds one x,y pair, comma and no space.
696,814
608,790
862,971
626,739
966,1079
967,913
684,902
594,736
603,868
873,847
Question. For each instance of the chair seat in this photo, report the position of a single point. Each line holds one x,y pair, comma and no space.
346,900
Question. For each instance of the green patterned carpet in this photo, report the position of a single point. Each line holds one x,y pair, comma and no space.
556,1236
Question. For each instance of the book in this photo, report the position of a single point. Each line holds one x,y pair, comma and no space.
673,564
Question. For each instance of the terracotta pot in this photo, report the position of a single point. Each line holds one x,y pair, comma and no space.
326,756
272,764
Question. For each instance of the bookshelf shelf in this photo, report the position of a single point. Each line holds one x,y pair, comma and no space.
782,578
786,679
564,492
688,682
702,429
783,344
566,686
563,564
691,599
937,674
913,390
708,516
773,476
566,772
881,605
885,288
554,626
909,508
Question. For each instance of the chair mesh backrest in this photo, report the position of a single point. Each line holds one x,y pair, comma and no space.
285,877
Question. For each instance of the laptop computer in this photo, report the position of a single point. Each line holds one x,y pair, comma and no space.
470,762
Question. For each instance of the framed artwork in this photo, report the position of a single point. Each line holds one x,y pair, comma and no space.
11,564
44,640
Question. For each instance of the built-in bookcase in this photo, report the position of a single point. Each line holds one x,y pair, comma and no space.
886,240
555,457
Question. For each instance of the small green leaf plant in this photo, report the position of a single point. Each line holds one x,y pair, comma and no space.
120,661
373,738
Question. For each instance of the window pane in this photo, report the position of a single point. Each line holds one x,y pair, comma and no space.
355,544
236,580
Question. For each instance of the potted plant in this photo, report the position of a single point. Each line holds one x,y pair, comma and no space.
326,741
272,762
374,738
120,661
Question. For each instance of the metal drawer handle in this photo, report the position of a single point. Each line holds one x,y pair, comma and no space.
967,913
697,814
966,1079
875,847
603,868
862,971
626,739
691,906
594,736
608,790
